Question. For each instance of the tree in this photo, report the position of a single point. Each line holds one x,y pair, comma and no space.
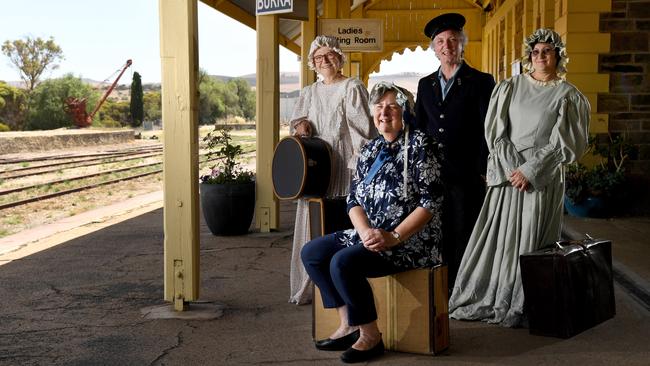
32,57
13,106
137,101
246,97
152,106
114,112
46,102
219,99
211,105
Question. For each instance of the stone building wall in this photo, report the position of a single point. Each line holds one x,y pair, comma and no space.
628,102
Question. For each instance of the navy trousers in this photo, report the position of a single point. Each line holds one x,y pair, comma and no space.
341,273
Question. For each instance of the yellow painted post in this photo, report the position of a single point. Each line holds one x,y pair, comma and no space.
356,58
499,51
344,13
508,36
493,54
537,17
329,9
267,209
309,26
179,60
527,21
548,13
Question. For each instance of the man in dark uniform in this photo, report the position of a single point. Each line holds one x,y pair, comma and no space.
451,107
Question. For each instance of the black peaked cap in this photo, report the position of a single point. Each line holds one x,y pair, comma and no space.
444,22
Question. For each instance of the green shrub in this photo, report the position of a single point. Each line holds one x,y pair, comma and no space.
604,179
110,123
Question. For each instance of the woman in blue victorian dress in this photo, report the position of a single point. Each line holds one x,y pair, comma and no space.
394,204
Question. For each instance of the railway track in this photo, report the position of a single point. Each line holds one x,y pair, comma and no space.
6,161
54,188
85,162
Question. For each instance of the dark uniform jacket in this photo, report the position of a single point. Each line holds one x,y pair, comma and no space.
457,122
457,125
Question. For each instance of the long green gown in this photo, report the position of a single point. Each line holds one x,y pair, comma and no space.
536,127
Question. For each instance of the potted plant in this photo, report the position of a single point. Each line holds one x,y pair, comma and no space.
228,192
591,191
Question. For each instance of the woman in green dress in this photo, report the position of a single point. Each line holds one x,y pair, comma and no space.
536,123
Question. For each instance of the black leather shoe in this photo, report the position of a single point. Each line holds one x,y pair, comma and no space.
338,344
354,355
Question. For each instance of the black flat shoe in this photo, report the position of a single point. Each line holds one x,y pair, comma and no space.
338,344
354,355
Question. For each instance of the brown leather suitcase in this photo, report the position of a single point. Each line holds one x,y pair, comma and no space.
569,287
327,215
412,306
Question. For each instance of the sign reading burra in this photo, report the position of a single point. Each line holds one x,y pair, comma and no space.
355,35
273,6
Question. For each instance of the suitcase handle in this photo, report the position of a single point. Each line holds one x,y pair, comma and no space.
560,242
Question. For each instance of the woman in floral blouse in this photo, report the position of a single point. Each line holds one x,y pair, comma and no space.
394,204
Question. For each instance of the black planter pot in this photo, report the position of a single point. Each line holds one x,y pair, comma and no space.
228,208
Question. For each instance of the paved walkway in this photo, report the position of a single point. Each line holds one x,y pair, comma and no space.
81,303
46,236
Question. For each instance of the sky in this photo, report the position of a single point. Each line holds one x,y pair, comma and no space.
97,37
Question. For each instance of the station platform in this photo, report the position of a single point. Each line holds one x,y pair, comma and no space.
84,301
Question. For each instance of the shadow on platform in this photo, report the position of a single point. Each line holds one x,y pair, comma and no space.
79,303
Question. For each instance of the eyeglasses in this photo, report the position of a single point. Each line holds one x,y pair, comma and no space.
546,51
330,56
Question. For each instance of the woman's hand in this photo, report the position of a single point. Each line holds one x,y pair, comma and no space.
378,240
302,129
519,180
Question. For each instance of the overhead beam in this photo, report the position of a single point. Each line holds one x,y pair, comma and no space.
475,3
369,4
289,44
233,11
420,12
242,16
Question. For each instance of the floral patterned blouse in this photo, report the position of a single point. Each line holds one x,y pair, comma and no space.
385,204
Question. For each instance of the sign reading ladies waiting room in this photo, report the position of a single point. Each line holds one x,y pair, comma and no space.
355,35
273,6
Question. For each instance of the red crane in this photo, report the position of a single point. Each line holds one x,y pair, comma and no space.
76,107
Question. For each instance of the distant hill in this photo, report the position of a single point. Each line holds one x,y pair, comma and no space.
289,83
408,80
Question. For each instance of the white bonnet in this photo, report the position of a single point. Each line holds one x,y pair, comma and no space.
324,41
403,97
545,35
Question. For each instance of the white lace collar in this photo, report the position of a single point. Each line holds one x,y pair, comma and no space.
553,82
